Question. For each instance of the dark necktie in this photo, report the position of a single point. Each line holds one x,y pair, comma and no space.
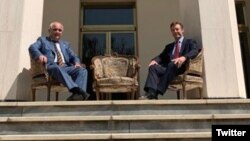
176,50
59,56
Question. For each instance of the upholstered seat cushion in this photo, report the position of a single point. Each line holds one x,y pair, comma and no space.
39,79
191,82
189,78
117,81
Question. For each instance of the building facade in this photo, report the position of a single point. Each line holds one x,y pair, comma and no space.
139,27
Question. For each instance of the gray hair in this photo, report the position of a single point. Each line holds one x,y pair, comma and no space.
55,22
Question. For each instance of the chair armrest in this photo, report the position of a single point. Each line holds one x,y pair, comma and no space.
195,65
137,68
45,71
134,66
96,74
38,69
92,67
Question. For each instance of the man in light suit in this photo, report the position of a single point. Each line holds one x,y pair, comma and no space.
70,72
169,63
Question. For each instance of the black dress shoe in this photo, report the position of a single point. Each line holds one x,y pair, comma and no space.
78,94
75,90
78,97
75,97
149,96
85,96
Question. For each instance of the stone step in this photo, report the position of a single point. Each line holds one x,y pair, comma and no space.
125,107
117,123
138,120
199,136
124,118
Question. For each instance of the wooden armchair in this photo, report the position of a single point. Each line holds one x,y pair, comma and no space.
191,79
115,74
42,80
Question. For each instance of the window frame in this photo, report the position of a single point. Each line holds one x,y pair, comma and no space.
108,29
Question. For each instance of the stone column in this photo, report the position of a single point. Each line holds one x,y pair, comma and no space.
20,25
216,21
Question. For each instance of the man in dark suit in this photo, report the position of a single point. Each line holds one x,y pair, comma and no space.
170,62
62,63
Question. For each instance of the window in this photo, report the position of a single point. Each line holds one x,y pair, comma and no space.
107,28
108,15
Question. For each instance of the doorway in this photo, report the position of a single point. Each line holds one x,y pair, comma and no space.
242,21
106,28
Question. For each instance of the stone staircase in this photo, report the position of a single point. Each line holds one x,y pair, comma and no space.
137,120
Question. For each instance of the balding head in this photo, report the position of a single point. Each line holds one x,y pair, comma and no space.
55,30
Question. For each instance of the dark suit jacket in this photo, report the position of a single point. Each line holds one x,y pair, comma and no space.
189,49
44,46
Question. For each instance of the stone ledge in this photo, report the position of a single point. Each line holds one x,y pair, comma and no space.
55,118
109,136
162,135
125,102
124,118
182,117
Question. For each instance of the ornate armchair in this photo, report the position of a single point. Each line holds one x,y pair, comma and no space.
191,79
115,74
42,80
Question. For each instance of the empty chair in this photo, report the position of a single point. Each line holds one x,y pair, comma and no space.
115,74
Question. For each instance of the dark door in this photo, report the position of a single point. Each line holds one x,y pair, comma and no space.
244,41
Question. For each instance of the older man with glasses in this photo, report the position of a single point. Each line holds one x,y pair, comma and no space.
62,63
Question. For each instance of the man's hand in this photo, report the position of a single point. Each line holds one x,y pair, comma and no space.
42,59
179,61
153,62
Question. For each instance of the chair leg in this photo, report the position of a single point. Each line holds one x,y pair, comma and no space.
178,94
102,96
184,94
48,93
97,95
201,93
184,91
132,95
109,96
57,93
33,94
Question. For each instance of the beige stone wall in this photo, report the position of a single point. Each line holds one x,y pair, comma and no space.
19,25
153,19
211,22
67,12
223,65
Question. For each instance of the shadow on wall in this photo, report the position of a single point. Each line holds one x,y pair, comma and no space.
20,89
